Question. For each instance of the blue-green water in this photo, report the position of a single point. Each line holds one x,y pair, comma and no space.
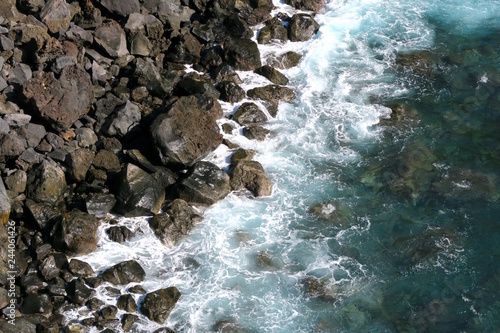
376,223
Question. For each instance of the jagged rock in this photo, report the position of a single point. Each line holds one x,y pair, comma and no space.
126,303
107,161
56,15
36,303
121,7
109,312
138,193
32,31
16,182
100,204
128,320
22,323
314,5
60,102
286,60
302,27
123,119
80,268
41,213
79,293
250,175
111,38
158,304
231,92
185,134
175,222
119,234
11,145
274,31
242,54
4,127
85,137
78,163
185,49
255,132
237,26
75,233
272,93
205,184
19,75
124,273
195,84
272,75
46,182
159,82
79,35
224,72
5,205
241,154
249,113
32,133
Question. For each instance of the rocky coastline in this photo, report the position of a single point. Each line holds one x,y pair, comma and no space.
110,106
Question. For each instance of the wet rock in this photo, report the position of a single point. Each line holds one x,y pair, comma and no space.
242,54
138,193
80,268
466,185
274,31
78,163
228,326
158,304
249,113
126,303
401,115
57,287
250,175
11,145
106,160
5,205
272,93
128,320
266,261
121,7
47,327
137,289
314,5
123,120
231,92
100,204
111,38
60,102
75,233
204,184
241,154
185,134
119,234
333,212
195,84
224,72
109,312
124,273
36,303
285,60
56,15
420,62
302,27
255,132
158,81
46,182
78,292
175,222
272,75
49,268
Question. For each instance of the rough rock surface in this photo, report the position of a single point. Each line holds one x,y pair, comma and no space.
249,113
75,233
302,27
250,175
124,273
46,182
242,54
158,304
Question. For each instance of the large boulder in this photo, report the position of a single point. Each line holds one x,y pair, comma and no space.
111,38
100,204
75,233
124,273
242,54
78,292
158,304
78,163
205,184
272,93
314,5
302,27
272,74
46,182
274,31
250,175
60,102
121,7
231,92
185,134
56,15
249,113
137,192
175,222
158,82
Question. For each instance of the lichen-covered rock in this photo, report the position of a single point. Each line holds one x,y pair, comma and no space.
60,102
302,27
46,182
250,175
158,304
124,273
138,193
185,134
242,54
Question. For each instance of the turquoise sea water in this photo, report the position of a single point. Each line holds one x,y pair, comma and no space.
377,223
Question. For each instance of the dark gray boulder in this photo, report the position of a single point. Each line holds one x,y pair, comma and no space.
40,213
100,204
158,304
124,273
249,113
224,72
119,234
16,182
46,182
314,5
111,38
175,222
60,102
124,119
78,292
274,31
255,132
272,93
80,268
231,92
196,84
121,7
158,82
137,192
272,75
128,320
78,163
75,233
205,184
185,134
302,27
242,54
126,303
11,146
250,175
36,303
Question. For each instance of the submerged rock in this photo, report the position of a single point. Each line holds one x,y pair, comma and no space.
158,304
286,60
250,175
420,62
124,273
467,185
334,212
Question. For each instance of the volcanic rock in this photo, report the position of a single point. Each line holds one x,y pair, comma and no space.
158,304
302,27
249,113
75,233
242,54
250,175
46,182
124,273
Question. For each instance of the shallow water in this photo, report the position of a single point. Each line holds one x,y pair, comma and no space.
374,224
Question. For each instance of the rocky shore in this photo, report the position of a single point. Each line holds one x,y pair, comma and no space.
110,106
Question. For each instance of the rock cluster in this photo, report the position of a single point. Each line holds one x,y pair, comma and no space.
98,114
